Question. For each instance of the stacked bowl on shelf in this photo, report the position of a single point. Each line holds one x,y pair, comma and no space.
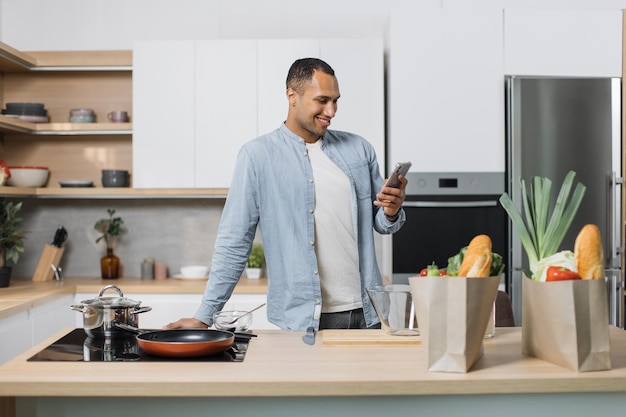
30,112
82,116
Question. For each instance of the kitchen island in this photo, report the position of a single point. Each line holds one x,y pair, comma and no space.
282,376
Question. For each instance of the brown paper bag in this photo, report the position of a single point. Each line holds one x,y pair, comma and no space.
452,313
567,323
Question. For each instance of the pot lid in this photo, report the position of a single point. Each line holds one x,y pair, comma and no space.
110,302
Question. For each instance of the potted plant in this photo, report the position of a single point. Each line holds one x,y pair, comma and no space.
12,237
255,261
110,228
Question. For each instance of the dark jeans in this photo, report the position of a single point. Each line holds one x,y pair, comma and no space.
352,319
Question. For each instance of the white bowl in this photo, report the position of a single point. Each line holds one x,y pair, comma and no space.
28,176
194,271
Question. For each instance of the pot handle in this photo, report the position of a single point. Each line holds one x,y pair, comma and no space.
108,287
143,309
80,308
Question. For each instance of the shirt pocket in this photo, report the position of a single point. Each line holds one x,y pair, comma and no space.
361,176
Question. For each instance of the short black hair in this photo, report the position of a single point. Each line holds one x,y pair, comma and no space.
302,70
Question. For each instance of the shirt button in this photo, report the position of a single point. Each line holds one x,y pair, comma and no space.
311,242
311,210
306,153
315,271
318,301
311,180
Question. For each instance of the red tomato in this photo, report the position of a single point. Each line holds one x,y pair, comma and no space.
443,272
560,273
424,272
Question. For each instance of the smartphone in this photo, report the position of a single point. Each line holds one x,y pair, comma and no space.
401,168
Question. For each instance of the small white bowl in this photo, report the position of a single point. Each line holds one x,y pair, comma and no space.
28,176
194,271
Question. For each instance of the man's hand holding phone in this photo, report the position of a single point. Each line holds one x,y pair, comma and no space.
392,195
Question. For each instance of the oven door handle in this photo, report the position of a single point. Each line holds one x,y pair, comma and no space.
490,203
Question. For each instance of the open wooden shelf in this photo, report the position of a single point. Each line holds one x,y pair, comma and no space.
15,125
12,60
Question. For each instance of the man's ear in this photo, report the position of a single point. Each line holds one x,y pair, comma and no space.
292,95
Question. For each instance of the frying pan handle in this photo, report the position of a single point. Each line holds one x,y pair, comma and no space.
143,309
78,308
129,328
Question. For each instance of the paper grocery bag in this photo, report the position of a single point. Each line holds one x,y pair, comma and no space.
453,313
567,323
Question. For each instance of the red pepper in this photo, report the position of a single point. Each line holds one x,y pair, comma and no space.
560,273
5,168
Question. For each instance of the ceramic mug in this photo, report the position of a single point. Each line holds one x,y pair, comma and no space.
118,116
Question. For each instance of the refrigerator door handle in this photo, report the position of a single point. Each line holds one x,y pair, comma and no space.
615,222
615,297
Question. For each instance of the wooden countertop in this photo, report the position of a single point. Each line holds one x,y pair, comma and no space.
24,294
278,363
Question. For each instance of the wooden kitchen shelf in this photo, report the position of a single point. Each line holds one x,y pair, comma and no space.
12,60
14,125
112,193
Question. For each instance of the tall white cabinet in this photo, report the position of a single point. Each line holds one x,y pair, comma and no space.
196,102
446,90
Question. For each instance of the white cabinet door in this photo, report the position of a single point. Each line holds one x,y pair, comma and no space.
15,336
446,90
53,317
196,103
163,114
225,108
563,42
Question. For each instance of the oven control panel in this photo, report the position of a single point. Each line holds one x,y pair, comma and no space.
455,183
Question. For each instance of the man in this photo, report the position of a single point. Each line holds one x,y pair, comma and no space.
313,194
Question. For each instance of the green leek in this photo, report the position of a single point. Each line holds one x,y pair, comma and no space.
542,233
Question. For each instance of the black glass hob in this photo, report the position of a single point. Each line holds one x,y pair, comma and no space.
76,346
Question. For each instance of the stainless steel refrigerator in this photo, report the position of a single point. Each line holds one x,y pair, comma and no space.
555,125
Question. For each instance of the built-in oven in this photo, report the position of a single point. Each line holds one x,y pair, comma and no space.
444,212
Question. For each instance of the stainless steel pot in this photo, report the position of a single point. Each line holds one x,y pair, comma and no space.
100,314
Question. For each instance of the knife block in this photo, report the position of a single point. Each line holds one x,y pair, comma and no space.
51,255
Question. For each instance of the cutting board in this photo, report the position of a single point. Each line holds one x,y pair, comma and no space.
364,337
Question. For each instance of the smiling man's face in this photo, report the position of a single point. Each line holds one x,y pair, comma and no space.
310,113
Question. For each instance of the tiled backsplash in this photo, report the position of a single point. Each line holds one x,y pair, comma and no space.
177,231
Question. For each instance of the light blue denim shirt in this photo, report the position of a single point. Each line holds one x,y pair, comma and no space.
273,188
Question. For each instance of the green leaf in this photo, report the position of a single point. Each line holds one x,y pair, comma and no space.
540,232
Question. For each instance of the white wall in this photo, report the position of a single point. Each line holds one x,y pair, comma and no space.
116,24
31,25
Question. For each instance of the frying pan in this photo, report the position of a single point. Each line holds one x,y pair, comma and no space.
182,342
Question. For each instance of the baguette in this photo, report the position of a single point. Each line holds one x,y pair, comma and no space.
588,253
477,259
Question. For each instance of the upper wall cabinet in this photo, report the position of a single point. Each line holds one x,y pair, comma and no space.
197,102
446,90
563,42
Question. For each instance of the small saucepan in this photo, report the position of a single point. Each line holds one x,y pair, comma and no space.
182,342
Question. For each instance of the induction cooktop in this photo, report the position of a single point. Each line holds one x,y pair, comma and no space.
76,346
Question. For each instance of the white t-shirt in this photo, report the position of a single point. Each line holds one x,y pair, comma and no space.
335,241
